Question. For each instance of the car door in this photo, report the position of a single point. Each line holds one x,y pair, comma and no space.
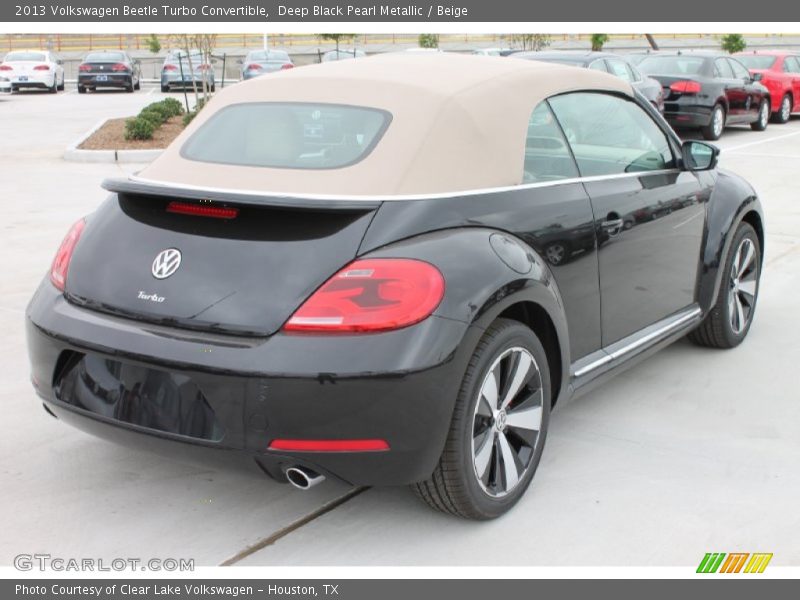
754,92
649,215
793,65
735,94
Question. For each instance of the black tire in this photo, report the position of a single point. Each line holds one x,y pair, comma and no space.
81,89
761,123
54,88
717,329
213,88
784,112
711,131
164,89
454,486
129,87
63,84
138,85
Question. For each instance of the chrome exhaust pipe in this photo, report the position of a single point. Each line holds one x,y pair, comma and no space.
303,478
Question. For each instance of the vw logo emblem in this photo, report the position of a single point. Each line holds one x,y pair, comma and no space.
166,263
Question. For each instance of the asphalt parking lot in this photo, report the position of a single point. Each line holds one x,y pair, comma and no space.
692,451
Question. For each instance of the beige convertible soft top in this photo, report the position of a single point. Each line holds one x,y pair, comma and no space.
458,123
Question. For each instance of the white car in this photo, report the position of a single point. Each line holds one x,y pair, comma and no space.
33,69
5,85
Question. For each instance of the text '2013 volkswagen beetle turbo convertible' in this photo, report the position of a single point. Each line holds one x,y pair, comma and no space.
389,270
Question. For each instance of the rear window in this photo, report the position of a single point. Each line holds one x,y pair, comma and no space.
269,55
288,135
104,57
672,65
757,62
22,56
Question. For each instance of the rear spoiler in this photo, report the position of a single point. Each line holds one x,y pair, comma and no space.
142,187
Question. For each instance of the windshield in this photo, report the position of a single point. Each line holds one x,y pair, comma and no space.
21,56
105,57
672,65
288,135
757,62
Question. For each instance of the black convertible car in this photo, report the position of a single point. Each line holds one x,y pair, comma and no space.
709,91
343,270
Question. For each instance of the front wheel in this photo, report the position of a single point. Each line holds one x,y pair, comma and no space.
784,112
763,117
728,322
498,429
716,125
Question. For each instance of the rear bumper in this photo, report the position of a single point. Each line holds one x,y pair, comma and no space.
398,386
687,115
106,80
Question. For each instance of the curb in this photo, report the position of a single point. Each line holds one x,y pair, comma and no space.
75,154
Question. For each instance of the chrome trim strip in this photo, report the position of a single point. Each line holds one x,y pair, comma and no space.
400,197
644,337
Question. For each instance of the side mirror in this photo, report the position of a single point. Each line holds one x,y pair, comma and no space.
699,156
758,76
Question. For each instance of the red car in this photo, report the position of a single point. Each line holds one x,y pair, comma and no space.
780,73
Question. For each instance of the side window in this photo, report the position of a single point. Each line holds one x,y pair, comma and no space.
794,64
599,65
723,69
610,135
739,70
547,156
620,69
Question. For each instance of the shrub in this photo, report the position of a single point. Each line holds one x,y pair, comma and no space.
172,106
428,40
733,43
187,118
154,116
139,129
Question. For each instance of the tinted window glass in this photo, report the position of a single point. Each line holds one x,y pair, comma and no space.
794,64
756,61
547,157
288,135
277,55
723,69
739,70
620,69
104,57
599,65
22,56
672,65
611,135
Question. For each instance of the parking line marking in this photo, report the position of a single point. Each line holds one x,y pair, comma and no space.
766,141
685,221
269,540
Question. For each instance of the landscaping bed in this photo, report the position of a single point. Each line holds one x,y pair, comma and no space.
111,136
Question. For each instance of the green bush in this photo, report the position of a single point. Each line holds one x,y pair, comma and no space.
139,129
187,118
172,106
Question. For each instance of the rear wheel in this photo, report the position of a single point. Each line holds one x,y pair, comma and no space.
63,83
129,86
784,112
54,88
729,320
498,429
715,127
763,117
137,85
164,89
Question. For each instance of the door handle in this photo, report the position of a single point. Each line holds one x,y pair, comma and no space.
613,226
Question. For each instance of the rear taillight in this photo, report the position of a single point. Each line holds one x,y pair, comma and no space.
686,87
254,67
170,68
84,67
287,66
41,68
6,68
119,67
204,67
376,294
202,210
58,271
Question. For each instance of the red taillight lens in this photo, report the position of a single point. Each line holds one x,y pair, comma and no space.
119,67
58,271
84,67
254,67
170,68
330,445
6,68
287,66
372,295
202,210
686,87
204,67
41,68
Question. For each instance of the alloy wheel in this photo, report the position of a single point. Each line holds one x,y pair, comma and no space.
786,109
743,286
763,114
718,123
507,422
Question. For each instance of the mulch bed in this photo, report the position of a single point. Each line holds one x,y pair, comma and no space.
111,136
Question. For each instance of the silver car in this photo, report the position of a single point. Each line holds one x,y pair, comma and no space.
260,62
342,54
180,70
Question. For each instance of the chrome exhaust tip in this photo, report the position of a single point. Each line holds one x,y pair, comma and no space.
302,478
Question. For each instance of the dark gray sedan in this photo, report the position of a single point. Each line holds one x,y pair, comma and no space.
260,62
609,63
